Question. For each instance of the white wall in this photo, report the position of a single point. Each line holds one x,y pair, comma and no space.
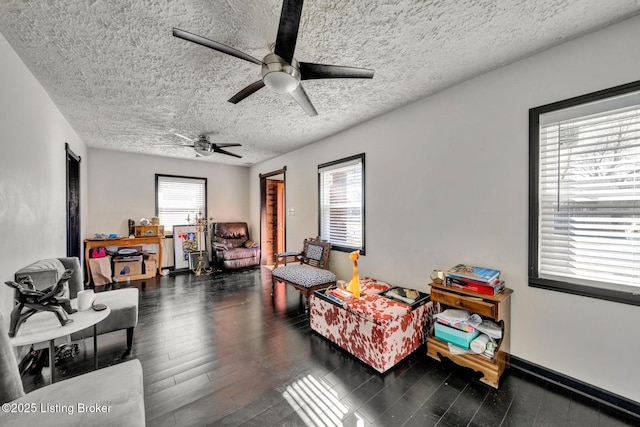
122,187
447,182
32,172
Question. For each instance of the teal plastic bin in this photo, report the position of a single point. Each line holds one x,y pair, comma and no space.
455,336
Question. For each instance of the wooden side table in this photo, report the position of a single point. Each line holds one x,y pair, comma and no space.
496,307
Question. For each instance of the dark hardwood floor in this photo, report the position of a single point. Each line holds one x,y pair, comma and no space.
220,351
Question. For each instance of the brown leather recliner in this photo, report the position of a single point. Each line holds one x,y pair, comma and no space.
232,247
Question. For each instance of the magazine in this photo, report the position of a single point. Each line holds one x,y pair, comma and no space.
482,274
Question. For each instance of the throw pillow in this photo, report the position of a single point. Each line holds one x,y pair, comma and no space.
250,244
44,273
220,243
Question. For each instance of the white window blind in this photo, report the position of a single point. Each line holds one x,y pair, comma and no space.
342,203
589,196
179,198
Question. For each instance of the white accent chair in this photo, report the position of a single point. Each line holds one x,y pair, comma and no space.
116,391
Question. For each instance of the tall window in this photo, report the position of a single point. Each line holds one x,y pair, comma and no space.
585,195
179,198
341,203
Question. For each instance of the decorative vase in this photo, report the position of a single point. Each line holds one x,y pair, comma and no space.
354,285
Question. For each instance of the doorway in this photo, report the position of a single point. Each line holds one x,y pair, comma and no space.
272,215
73,203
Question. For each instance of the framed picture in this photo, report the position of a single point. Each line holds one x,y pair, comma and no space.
185,240
193,260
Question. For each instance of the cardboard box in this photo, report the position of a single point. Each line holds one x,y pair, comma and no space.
455,336
150,267
151,257
127,266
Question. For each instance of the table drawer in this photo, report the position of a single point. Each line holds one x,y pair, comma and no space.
475,305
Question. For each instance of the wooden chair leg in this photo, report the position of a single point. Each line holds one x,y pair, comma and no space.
307,295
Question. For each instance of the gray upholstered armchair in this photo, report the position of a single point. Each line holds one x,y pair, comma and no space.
123,302
232,247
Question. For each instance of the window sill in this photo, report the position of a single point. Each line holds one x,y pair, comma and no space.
586,291
345,249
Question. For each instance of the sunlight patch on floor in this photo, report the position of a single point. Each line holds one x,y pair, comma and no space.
316,403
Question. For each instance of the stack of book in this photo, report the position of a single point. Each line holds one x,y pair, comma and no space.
340,296
477,279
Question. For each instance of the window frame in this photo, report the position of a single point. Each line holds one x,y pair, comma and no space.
534,280
158,176
338,247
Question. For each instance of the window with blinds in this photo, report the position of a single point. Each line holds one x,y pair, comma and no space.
179,198
341,203
587,201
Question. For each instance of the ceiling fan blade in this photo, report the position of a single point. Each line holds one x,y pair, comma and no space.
183,137
301,98
288,29
214,45
249,90
221,151
309,70
225,145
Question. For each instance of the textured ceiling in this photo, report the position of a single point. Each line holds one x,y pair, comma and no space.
125,83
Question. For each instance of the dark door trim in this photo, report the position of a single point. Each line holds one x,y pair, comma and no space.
263,208
74,248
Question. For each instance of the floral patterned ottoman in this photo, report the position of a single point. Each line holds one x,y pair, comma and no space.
375,329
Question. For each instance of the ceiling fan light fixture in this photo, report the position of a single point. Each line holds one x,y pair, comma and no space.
204,152
203,147
280,82
279,76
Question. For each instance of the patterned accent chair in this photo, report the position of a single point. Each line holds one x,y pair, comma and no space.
310,274
232,247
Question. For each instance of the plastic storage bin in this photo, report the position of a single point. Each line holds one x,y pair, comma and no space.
455,336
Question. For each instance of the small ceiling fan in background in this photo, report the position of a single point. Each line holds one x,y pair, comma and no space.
204,147
280,71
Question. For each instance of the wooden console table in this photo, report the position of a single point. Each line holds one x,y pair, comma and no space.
124,241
